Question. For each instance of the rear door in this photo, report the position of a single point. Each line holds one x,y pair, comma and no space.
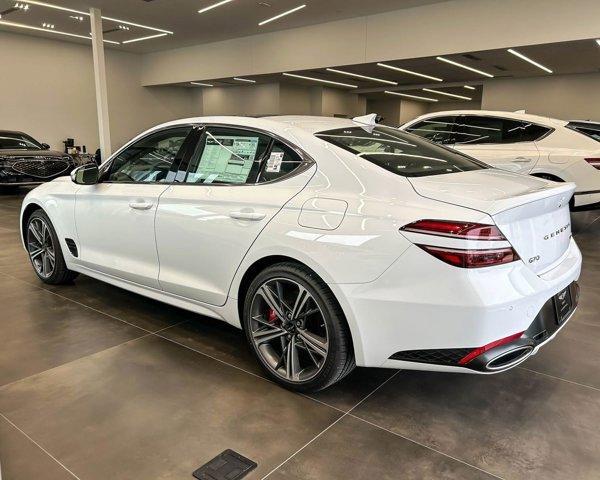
236,182
502,143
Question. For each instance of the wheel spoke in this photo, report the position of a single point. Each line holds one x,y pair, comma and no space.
272,301
36,233
292,367
45,264
51,257
313,342
36,253
310,353
267,334
300,302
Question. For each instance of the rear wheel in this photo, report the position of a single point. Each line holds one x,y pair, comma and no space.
297,329
45,252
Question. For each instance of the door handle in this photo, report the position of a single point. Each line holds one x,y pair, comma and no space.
140,205
247,215
522,160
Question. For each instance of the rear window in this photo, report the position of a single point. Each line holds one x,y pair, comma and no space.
399,152
590,129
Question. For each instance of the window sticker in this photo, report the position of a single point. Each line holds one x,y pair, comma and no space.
227,159
274,162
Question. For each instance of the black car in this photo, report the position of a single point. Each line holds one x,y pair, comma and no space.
25,161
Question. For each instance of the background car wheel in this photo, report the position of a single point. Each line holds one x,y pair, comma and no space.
296,328
45,252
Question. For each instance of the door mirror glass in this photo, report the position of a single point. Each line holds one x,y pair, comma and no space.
45,146
86,174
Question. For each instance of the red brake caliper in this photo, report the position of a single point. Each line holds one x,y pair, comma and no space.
272,317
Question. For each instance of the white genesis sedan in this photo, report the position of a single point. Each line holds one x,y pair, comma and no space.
522,143
330,242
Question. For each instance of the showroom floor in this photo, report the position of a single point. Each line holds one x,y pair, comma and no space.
103,384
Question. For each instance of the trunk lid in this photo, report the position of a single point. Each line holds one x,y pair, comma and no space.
533,214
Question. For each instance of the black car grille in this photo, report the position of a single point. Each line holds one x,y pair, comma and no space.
40,168
446,356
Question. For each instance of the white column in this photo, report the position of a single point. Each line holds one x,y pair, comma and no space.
100,80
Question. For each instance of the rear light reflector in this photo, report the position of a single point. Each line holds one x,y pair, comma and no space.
594,162
472,258
454,229
481,350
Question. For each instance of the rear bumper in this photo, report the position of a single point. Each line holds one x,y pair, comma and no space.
422,304
587,200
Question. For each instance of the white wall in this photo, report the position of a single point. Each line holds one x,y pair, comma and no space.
559,96
48,91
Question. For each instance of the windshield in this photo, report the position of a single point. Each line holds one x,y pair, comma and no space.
590,129
17,141
399,152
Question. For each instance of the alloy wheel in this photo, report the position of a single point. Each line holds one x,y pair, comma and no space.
41,247
288,330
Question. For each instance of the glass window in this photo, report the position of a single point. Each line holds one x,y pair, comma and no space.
437,129
149,160
589,129
17,141
531,132
476,130
229,156
400,153
281,161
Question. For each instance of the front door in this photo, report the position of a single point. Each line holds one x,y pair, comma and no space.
236,183
115,217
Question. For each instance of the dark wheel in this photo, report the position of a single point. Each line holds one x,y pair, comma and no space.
296,328
44,250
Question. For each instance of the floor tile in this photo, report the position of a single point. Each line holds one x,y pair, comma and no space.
153,409
353,449
40,330
21,459
517,424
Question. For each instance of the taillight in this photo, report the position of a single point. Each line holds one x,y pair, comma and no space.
472,258
464,230
481,350
464,258
594,162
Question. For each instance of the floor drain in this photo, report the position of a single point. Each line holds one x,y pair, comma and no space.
228,465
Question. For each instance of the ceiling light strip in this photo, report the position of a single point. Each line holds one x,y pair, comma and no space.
247,80
276,17
446,93
409,72
456,64
200,84
65,9
141,39
47,30
416,97
330,82
469,87
350,74
215,5
527,59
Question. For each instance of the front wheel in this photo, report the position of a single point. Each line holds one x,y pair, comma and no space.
296,328
45,252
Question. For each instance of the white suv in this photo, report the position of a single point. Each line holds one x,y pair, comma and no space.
522,143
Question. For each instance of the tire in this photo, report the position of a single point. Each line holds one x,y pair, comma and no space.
317,332
39,227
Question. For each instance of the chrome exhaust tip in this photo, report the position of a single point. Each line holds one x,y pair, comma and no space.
509,358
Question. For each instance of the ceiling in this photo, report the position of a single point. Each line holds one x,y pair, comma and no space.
580,56
238,18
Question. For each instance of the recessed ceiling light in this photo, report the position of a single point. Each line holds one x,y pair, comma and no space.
416,97
48,25
87,14
21,6
149,37
276,17
598,42
303,77
452,62
79,18
446,93
350,74
39,29
244,80
200,84
527,59
469,87
214,5
410,72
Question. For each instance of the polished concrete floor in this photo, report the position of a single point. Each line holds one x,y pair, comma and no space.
99,383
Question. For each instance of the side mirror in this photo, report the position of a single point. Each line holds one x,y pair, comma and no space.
86,174
45,146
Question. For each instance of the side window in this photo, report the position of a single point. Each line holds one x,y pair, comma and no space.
281,161
228,156
532,132
437,129
474,130
149,159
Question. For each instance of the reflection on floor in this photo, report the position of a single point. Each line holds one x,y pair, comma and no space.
99,383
